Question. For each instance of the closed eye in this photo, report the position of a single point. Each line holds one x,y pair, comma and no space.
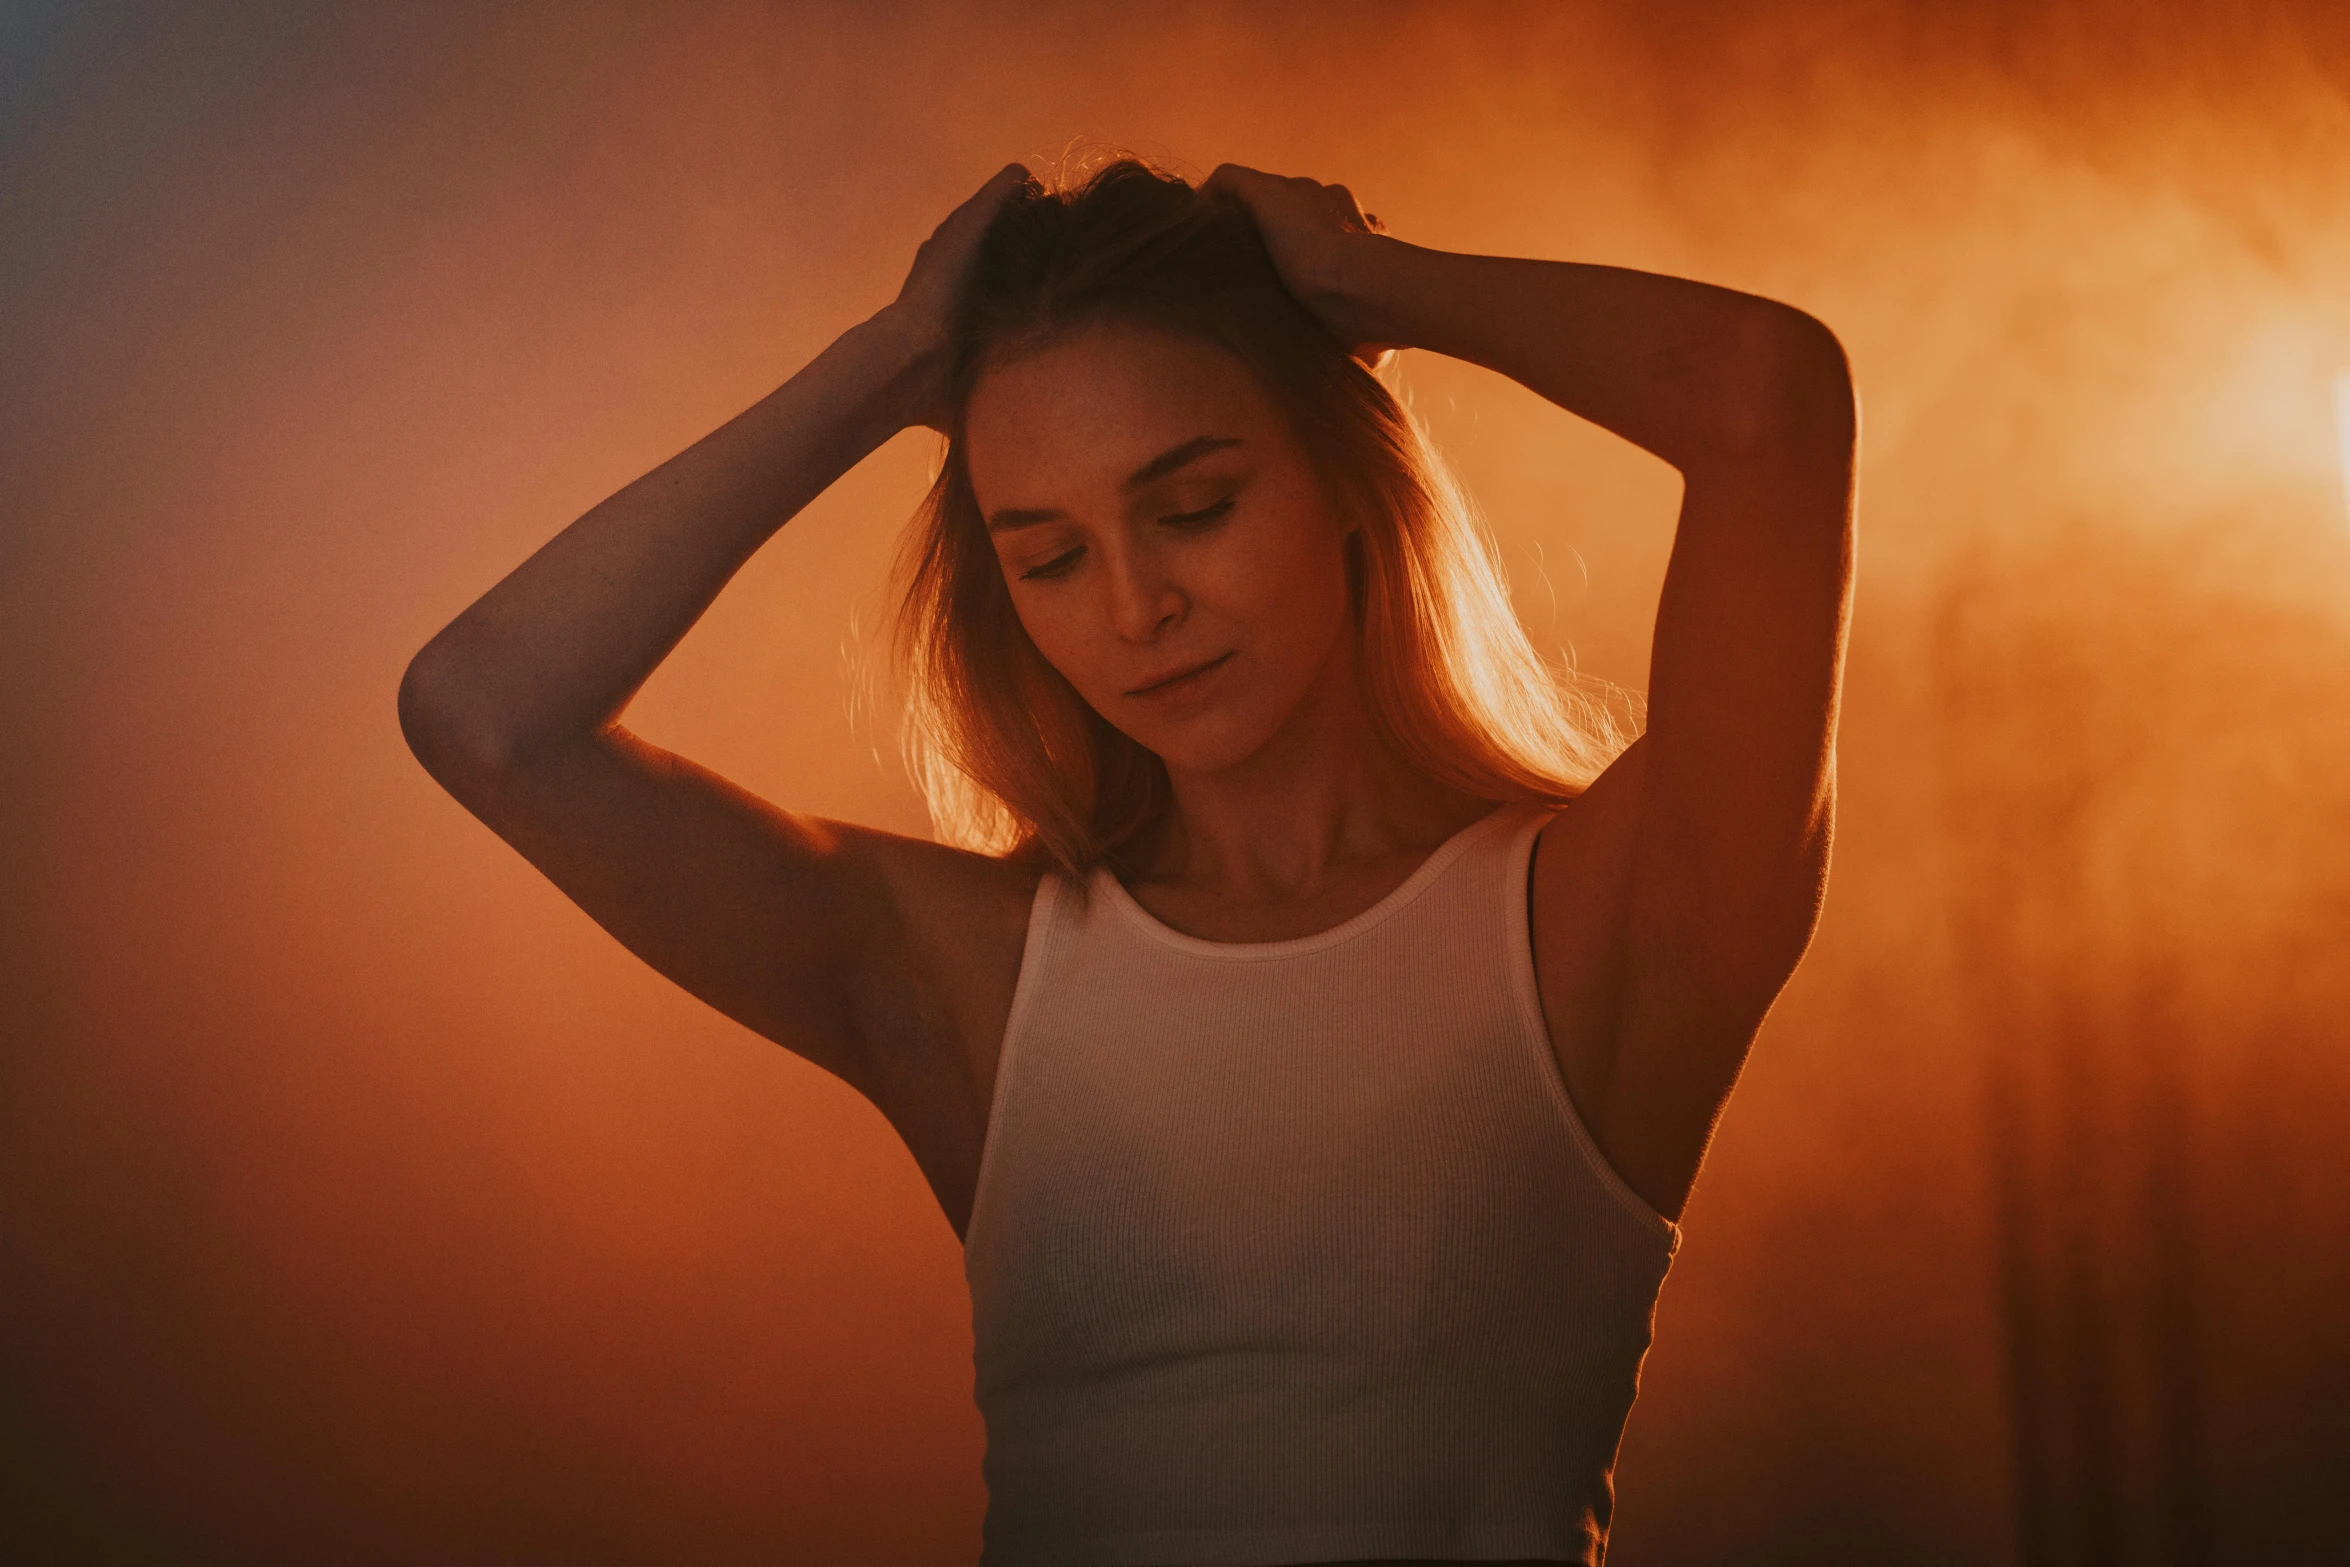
1202,517
1059,566
1064,563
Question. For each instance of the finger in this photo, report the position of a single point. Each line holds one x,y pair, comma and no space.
1236,182
1349,210
1003,182
981,206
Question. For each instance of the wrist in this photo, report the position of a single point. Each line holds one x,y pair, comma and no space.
912,346
901,360
1369,285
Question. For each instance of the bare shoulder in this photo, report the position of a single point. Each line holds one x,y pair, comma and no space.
1607,813
1647,1039
941,930
1578,900
936,955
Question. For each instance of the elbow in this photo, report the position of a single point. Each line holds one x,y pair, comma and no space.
1791,399
442,720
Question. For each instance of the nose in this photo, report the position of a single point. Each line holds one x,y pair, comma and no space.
1144,601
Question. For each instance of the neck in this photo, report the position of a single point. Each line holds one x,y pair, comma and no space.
1323,795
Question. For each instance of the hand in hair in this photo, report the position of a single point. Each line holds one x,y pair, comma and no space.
1312,231
924,310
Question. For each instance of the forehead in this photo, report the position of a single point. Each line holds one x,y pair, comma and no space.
1085,409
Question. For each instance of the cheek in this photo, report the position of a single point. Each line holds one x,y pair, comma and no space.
1295,590
1066,628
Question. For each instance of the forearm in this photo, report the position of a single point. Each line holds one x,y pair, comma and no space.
1703,377
554,652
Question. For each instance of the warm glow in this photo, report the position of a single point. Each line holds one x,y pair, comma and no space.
354,1185
2342,435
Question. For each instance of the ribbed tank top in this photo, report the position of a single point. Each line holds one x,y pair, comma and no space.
1297,1251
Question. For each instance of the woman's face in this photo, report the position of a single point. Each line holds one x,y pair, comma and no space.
1167,544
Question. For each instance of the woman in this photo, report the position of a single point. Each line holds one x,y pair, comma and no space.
1342,1037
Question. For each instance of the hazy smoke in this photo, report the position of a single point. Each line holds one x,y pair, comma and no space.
356,1188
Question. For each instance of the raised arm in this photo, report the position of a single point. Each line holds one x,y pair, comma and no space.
823,937
1715,827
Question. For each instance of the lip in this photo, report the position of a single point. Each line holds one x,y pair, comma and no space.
1177,681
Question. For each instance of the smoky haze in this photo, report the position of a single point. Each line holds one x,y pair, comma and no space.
359,1198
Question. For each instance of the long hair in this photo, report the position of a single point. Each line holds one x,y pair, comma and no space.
1008,756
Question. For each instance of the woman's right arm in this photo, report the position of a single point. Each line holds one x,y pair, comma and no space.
844,945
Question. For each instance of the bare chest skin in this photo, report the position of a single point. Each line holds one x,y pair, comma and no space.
1576,895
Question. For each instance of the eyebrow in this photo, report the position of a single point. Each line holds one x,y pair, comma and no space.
1167,462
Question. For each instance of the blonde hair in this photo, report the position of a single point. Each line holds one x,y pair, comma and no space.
1008,756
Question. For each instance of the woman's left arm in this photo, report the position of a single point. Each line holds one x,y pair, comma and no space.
1752,401
1735,781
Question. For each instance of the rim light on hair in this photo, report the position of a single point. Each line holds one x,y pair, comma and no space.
1009,758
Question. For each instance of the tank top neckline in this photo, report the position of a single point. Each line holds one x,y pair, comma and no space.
1108,886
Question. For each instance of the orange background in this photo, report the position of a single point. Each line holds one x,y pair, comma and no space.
362,1201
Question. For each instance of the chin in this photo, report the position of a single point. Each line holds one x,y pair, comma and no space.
1210,744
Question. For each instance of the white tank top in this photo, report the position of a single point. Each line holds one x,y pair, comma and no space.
1296,1251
